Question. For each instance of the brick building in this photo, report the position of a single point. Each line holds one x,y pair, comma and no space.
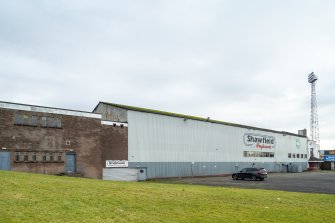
55,141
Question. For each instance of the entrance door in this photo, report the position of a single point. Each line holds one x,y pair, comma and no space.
4,160
71,163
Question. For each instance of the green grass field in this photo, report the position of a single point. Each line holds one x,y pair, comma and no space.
42,198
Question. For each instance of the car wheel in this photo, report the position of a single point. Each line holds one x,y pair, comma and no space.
235,177
254,178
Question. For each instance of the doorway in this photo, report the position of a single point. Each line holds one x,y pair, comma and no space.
70,163
4,160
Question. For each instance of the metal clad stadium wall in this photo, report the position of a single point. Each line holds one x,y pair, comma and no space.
172,146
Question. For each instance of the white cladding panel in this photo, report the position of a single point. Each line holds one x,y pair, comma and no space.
159,138
120,174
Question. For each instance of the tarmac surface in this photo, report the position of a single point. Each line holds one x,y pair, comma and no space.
309,182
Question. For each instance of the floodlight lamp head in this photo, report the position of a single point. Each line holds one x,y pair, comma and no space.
312,78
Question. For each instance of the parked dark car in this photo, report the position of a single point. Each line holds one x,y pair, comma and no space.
251,173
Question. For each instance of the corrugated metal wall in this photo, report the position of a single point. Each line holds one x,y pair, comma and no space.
171,146
158,138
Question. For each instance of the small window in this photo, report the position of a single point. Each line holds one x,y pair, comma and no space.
44,157
293,155
51,122
33,156
34,120
59,157
44,121
298,155
59,121
272,154
25,120
289,155
17,119
301,155
305,156
67,142
51,157
25,156
17,156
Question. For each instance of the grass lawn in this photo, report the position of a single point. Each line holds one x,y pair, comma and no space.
42,198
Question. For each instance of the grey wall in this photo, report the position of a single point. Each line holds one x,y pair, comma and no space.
179,169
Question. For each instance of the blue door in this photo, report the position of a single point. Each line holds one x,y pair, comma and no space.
71,163
4,160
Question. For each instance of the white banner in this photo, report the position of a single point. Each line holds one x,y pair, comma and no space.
116,163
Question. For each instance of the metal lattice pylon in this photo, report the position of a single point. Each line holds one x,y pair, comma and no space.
314,131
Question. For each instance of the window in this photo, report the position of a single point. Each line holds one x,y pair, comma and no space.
51,122
305,156
293,155
34,120
258,154
25,120
33,156
25,156
301,155
289,155
44,121
59,121
67,142
44,157
59,157
51,157
298,155
17,119
17,156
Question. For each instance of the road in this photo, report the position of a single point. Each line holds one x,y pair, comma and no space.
310,182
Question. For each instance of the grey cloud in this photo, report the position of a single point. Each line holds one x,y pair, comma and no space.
244,62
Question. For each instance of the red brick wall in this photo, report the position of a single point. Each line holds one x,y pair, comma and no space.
83,133
114,143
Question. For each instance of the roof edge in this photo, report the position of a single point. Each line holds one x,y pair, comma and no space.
153,111
44,107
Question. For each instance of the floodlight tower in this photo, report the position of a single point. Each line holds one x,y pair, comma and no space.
314,124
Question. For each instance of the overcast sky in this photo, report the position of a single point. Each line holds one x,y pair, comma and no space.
238,61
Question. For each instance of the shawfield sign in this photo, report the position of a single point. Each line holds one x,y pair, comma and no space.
259,141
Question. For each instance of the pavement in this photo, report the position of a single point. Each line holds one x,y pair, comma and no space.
310,182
